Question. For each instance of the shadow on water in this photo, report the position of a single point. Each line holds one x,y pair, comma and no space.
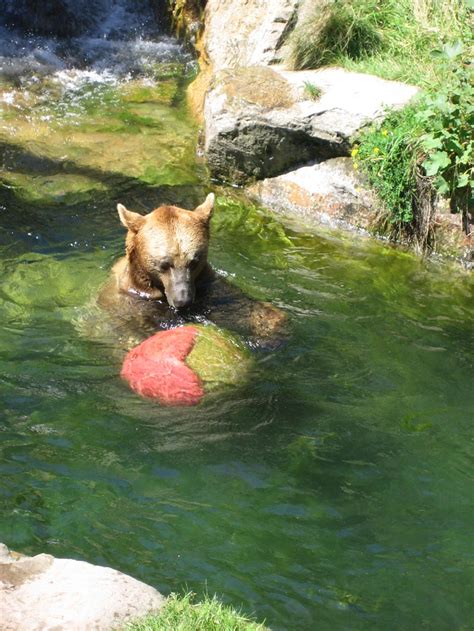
64,220
19,159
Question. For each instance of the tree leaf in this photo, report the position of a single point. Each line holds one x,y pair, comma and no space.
436,162
453,145
430,142
463,180
453,50
442,185
466,157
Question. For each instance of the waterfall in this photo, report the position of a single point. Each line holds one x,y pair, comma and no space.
55,17
66,18
119,37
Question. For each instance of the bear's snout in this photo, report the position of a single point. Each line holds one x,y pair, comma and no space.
182,299
180,288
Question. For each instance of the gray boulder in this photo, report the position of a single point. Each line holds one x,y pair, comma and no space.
42,593
261,121
329,193
243,33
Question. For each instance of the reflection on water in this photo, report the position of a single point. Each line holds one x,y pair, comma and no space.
335,491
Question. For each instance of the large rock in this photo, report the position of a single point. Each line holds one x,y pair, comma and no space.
237,33
246,32
333,194
329,193
42,593
261,121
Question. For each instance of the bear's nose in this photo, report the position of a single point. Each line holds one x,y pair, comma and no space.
181,303
182,298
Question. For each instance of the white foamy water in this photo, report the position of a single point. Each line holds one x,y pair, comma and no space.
123,41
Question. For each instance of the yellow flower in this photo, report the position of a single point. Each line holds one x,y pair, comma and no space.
356,165
384,132
376,150
354,152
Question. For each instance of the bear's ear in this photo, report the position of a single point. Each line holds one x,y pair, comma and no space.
205,210
132,221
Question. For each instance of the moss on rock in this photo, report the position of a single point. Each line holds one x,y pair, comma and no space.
257,85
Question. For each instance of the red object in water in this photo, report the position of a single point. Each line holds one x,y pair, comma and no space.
156,368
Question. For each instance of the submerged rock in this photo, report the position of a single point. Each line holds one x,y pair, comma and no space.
272,124
41,592
83,139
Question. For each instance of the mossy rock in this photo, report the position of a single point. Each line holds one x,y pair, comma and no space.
256,85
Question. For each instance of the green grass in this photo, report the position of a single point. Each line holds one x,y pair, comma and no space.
180,613
426,150
423,151
387,156
312,91
393,39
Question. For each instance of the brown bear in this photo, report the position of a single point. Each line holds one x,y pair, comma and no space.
164,279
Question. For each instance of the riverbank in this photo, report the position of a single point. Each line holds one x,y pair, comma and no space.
72,595
185,614
265,112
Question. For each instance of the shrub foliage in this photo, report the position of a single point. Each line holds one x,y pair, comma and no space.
428,147
432,140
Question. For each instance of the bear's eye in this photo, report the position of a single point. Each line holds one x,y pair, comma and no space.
165,266
193,263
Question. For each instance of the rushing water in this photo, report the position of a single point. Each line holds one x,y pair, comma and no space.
333,492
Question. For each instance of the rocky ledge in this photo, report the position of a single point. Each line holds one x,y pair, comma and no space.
261,121
287,134
327,192
43,593
332,193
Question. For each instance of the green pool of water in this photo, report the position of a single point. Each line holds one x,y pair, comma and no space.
333,492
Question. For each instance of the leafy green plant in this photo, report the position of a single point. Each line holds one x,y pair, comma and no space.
425,149
387,156
448,142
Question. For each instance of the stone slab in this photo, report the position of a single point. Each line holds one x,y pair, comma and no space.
250,136
42,593
329,193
